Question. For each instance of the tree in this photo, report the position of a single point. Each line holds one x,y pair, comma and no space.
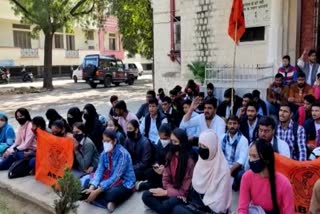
69,192
136,25
49,16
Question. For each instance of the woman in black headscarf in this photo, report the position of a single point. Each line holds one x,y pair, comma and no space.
93,125
52,116
74,115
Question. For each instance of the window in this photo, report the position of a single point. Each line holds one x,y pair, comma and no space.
253,34
22,39
58,41
112,42
21,36
177,34
90,35
91,47
70,42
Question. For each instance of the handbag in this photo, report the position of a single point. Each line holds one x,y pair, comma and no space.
19,169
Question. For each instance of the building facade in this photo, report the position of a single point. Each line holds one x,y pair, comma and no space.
18,48
196,30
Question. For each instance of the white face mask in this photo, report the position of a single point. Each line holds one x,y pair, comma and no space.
164,143
2,123
107,146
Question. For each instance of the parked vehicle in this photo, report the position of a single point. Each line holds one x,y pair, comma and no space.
106,70
139,67
77,73
4,75
132,68
27,76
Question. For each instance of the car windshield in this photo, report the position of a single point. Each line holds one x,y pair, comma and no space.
90,61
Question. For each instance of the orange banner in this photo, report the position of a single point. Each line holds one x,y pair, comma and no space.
237,26
54,154
302,175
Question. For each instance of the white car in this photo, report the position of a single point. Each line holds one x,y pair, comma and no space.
139,67
135,68
77,74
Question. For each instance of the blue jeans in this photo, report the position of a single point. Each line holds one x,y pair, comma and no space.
6,163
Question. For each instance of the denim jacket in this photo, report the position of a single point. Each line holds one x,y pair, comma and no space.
122,169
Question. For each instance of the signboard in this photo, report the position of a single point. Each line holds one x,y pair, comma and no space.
256,12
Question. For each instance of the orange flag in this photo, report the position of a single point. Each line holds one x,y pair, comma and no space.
237,25
302,175
54,154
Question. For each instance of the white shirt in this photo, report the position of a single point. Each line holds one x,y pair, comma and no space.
283,147
228,111
251,128
217,124
309,77
242,150
317,129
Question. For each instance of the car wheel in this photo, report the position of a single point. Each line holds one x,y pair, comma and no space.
93,85
130,80
107,82
75,79
117,83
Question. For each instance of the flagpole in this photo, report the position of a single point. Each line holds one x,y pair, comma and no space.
234,67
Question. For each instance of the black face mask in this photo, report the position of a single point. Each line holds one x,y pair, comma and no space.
257,166
22,121
71,121
204,153
175,148
78,137
131,135
59,134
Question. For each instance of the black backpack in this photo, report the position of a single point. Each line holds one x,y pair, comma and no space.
19,169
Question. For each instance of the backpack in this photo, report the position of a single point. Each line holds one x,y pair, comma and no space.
19,169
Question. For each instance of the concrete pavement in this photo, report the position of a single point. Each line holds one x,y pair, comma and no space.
65,96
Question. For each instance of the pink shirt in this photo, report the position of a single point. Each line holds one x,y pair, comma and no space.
25,138
255,190
123,122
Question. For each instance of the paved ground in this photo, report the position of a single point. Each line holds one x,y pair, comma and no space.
66,95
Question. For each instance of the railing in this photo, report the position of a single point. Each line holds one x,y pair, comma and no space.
72,53
244,76
30,53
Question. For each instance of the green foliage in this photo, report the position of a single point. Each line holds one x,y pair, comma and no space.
198,69
68,191
135,22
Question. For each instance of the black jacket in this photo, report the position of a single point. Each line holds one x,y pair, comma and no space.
221,111
174,119
244,128
311,132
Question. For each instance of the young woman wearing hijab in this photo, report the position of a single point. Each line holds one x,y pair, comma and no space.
139,148
74,115
7,135
85,152
114,179
262,188
93,126
25,143
211,181
176,178
114,126
52,115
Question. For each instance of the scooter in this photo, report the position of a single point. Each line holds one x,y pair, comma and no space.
27,76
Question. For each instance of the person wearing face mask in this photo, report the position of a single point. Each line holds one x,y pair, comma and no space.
139,148
93,126
177,176
25,140
58,129
299,90
52,115
235,149
262,188
115,126
7,134
85,152
211,182
154,175
74,115
114,179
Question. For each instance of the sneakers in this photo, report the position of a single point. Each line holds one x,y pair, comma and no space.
139,185
111,207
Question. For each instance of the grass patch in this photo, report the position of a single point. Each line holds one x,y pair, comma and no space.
3,207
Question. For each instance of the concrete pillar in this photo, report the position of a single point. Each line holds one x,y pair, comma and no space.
275,36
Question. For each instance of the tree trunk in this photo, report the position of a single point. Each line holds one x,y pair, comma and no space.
47,73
